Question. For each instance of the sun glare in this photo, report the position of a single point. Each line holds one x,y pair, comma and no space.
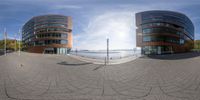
115,26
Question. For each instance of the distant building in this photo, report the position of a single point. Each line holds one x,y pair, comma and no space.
48,34
162,32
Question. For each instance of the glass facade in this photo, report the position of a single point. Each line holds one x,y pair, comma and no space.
53,35
62,51
169,18
157,49
163,32
48,42
162,39
48,30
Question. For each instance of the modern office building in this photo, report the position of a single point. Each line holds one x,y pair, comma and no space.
48,34
162,32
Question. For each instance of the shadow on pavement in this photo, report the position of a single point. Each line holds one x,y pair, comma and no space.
72,64
100,66
173,56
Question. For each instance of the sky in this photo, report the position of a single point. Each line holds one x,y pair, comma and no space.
94,20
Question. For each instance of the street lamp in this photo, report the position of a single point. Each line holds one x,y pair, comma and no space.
19,42
107,50
5,37
15,42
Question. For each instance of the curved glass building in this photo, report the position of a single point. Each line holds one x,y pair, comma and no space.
161,32
48,34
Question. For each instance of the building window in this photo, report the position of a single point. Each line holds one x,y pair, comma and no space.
182,41
64,35
63,41
146,38
160,39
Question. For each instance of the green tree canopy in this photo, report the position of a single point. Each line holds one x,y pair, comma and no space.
10,44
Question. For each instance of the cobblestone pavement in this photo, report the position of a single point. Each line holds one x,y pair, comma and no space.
53,77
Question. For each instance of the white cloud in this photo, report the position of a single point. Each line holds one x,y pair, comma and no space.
119,27
67,7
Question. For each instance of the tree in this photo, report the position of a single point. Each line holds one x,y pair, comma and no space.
10,44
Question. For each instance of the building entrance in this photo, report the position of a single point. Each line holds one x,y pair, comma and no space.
49,51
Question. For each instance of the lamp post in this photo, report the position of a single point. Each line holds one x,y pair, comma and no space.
76,51
107,50
19,42
15,42
5,37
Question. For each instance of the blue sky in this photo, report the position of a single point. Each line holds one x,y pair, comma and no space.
94,20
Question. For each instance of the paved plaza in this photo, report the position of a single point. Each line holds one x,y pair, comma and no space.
56,77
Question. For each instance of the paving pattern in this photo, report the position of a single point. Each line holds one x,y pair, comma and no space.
54,77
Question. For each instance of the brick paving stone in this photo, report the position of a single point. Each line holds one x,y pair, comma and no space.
58,77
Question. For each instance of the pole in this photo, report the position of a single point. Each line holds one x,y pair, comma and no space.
107,50
5,37
76,51
19,42
15,42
